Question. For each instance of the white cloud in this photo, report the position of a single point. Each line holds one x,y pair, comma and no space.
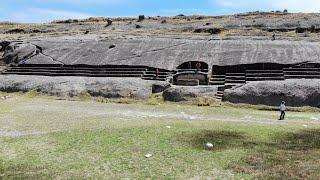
291,5
37,15
298,5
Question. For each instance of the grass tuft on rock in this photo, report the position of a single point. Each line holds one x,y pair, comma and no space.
32,93
84,96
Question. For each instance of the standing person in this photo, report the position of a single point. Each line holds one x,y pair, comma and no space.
157,73
282,109
198,66
273,36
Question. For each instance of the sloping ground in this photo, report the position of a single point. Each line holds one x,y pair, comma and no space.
165,53
294,92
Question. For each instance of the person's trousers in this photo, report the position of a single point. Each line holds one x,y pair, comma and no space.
283,113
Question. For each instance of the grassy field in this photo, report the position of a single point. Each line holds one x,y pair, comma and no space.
45,138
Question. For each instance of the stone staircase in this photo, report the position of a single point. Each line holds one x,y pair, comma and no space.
301,73
150,74
70,70
264,75
226,81
218,80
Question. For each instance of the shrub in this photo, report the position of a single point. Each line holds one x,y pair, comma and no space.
32,93
84,96
204,101
141,18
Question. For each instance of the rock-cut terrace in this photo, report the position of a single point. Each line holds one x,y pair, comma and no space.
181,60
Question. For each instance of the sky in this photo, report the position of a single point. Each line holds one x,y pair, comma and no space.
42,11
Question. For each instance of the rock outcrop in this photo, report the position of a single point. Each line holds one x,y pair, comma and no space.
164,53
294,92
183,93
73,86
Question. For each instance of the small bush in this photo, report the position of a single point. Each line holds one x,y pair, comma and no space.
163,21
101,99
141,18
124,101
155,100
32,93
109,22
84,96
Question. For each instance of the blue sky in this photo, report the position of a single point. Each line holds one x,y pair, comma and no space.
47,10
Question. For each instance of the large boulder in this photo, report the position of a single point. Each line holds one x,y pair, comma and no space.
294,92
184,93
160,86
73,86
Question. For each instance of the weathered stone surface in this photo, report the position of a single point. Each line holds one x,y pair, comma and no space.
160,86
168,53
294,92
180,93
72,86
15,53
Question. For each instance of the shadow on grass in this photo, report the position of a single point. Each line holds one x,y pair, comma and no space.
220,139
285,155
24,171
300,141
289,155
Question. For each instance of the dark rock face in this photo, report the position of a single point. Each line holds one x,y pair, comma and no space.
208,30
73,86
14,31
3,45
138,26
301,30
180,93
160,86
294,92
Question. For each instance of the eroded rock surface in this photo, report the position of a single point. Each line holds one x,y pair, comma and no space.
294,92
73,86
183,93
165,52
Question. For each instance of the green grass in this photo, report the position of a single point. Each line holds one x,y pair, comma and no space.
88,139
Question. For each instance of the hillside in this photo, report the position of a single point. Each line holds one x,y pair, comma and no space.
258,24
